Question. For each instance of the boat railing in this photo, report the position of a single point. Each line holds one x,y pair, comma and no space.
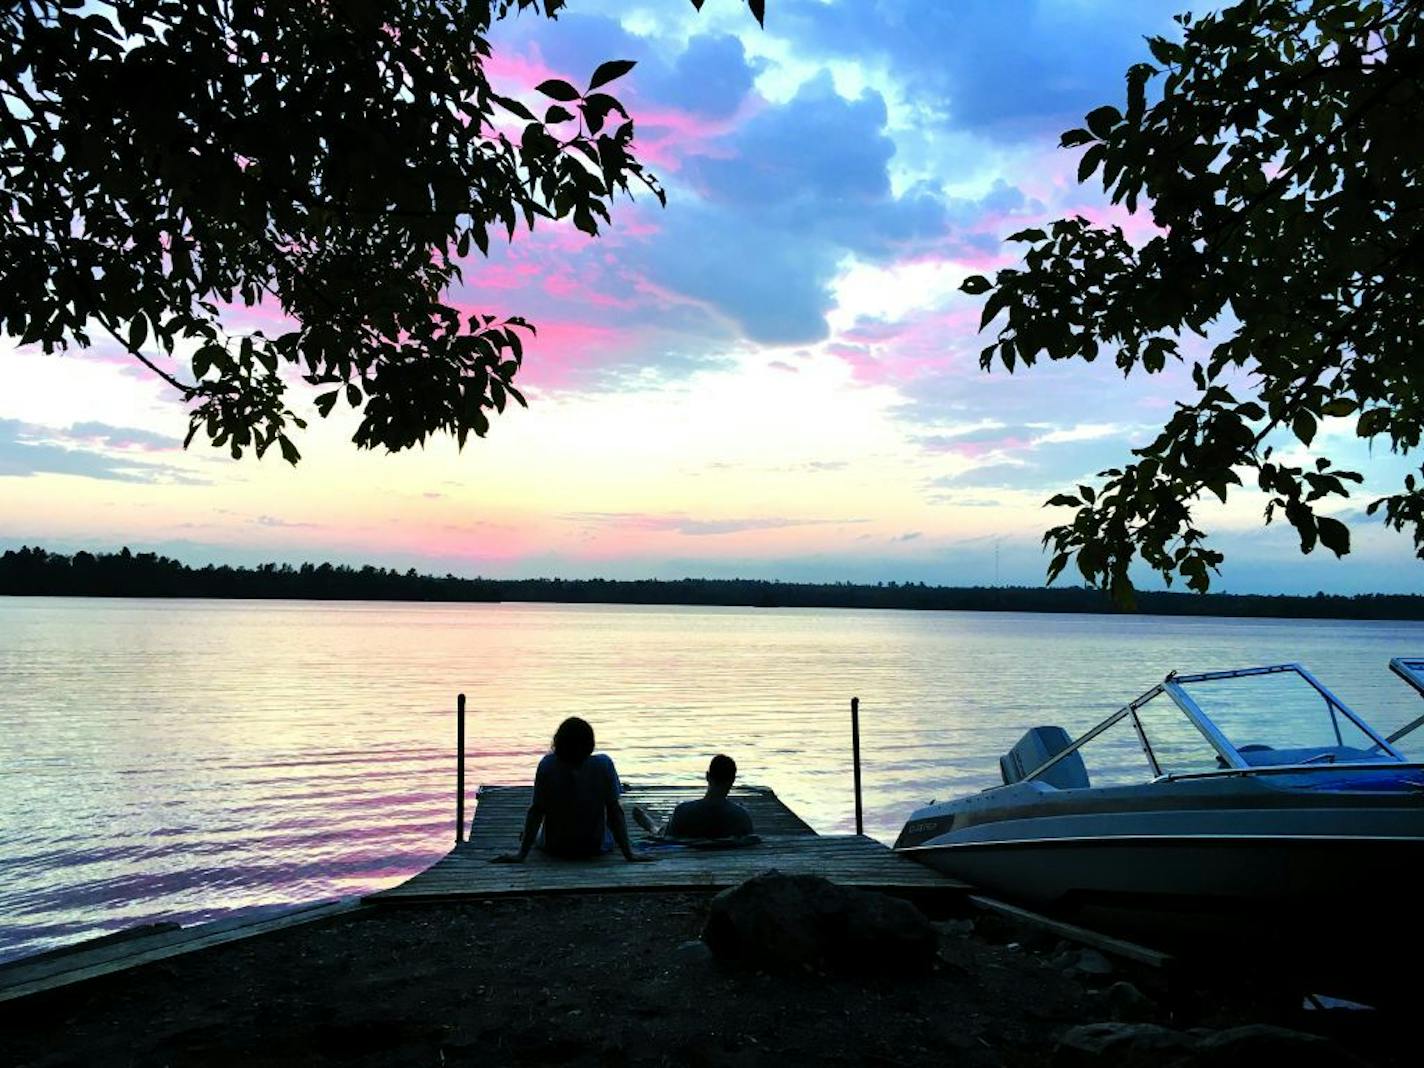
1394,767
1411,670
1173,686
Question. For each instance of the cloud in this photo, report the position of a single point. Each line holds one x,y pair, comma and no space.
1008,66
1043,465
122,437
278,521
86,450
707,77
680,523
782,200
1002,474
980,440
710,78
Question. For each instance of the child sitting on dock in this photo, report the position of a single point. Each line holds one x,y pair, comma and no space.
575,801
714,815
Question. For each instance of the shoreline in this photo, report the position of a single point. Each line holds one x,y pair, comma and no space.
1140,613
613,979
29,572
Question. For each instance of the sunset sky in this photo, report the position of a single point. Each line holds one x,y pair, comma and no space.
774,376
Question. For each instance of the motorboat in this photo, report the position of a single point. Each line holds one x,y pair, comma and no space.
1267,806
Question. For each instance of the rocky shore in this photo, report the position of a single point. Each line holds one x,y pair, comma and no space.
627,979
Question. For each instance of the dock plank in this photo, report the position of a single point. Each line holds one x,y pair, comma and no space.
788,844
22,978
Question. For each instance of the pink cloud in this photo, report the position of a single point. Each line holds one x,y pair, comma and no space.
562,350
980,446
891,353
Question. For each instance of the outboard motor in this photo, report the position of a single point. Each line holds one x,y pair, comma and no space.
1036,747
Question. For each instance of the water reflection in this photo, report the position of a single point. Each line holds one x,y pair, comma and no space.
177,759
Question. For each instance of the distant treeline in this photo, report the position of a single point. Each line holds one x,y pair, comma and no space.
35,572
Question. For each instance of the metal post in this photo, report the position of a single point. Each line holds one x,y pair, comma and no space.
855,756
460,769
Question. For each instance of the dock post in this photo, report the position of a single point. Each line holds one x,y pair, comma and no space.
460,769
855,759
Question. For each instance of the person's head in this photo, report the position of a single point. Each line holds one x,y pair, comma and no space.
721,773
573,741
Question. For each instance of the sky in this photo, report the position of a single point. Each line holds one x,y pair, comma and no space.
774,376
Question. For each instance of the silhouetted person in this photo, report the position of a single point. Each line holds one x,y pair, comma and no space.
575,801
714,815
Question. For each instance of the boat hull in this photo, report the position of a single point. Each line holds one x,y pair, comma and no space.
1331,910
1217,872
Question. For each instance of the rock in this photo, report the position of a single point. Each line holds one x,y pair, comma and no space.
956,928
782,923
1091,962
1258,1044
1125,1045
1082,963
1128,1003
1145,1045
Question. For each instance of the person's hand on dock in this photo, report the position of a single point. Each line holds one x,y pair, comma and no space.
640,858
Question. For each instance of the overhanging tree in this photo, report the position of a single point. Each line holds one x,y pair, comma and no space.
1277,146
163,162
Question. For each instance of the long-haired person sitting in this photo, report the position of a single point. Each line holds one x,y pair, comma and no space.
575,801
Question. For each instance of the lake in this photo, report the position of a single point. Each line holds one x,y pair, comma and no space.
180,759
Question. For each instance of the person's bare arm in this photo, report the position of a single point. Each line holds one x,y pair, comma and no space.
619,826
645,821
532,820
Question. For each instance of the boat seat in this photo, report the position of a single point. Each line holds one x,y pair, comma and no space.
1037,746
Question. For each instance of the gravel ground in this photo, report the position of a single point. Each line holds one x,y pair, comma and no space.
584,979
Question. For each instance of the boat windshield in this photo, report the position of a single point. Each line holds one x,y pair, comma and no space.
1274,716
1411,670
1279,716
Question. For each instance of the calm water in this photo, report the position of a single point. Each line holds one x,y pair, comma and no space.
182,759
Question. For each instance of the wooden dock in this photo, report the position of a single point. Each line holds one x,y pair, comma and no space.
787,844
105,956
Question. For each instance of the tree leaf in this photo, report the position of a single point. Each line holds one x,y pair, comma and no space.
1102,121
1031,235
557,89
1340,406
514,107
1334,535
607,72
1090,161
